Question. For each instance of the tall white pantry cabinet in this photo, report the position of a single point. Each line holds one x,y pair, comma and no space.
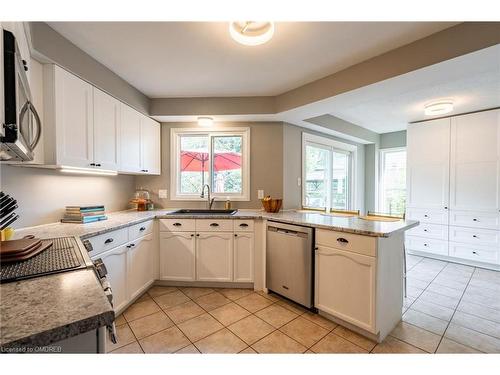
453,181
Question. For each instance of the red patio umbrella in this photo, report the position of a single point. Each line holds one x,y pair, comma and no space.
193,161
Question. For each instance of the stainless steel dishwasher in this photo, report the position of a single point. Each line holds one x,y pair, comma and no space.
289,262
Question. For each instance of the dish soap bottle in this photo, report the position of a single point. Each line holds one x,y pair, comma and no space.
227,205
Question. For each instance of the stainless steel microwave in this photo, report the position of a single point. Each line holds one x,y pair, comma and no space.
21,127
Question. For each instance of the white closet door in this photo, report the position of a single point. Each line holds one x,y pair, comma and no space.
428,164
106,128
475,162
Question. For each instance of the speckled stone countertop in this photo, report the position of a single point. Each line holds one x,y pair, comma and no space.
47,309
122,219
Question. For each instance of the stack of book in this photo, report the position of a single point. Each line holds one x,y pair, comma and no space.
84,214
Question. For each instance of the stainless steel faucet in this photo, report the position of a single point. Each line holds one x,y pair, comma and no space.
210,202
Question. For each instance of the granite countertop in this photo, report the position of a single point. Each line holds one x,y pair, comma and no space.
47,309
123,219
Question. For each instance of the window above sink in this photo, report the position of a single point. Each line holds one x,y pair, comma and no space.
217,157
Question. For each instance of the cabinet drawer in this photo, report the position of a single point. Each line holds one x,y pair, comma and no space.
139,230
434,231
214,225
107,241
475,236
487,220
431,216
428,245
177,225
243,225
479,253
356,243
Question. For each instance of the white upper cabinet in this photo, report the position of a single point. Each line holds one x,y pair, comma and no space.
106,128
139,143
71,111
475,162
86,128
150,146
428,164
130,141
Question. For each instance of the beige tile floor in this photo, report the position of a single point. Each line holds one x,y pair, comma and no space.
450,308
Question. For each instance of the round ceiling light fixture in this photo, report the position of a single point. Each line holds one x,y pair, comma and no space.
205,121
251,33
439,107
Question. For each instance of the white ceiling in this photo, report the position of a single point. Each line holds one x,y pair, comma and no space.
472,81
178,59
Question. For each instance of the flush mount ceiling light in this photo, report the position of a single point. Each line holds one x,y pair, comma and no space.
205,121
251,33
439,107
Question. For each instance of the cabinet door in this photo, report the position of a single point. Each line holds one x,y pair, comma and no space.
214,256
243,257
106,128
177,256
427,173
150,146
345,286
130,140
475,162
74,120
115,261
140,261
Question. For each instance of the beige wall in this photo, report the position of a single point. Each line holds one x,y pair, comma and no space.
42,194
266,164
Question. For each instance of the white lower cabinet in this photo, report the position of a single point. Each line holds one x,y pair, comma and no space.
207,250
214,256
115,261
243,257
177,256
345,286
141,267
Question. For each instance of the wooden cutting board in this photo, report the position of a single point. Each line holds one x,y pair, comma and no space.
20,256
13,247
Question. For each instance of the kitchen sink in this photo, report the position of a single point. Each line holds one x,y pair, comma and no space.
195,211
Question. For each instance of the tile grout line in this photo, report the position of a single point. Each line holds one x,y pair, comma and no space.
455,310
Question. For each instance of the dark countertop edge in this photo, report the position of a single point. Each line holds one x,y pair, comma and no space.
56,334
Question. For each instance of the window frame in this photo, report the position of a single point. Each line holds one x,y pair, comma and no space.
330,145
175,146
381,166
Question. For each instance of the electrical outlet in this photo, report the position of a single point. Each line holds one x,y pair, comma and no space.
260,194
162,193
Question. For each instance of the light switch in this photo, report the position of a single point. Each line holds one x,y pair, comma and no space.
299,181
162,193
260,194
